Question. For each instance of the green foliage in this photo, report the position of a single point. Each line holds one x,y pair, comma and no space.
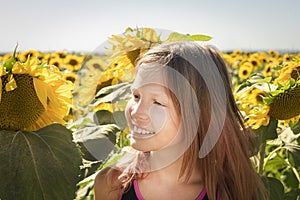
44,164
281,162
102,139
10,62
187,37
96,141
275,188
268,132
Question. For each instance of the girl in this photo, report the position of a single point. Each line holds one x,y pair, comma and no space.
187,135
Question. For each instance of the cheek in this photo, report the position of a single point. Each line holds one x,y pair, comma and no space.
158,115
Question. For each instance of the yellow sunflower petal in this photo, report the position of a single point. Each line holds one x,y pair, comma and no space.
2,71
18,68
39,87
11,85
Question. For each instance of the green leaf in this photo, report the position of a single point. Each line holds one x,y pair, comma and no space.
275,164
268,132
294,151
103,117
295,127
96,141
200,37
44,164
8,65
292,195
174,36
128,29
275,188
290,179
86,185
113,93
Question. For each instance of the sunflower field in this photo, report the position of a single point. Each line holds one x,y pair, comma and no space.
62,115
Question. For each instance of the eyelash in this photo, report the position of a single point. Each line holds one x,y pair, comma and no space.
158,103
137,97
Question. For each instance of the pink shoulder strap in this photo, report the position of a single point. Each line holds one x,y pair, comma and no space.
137,191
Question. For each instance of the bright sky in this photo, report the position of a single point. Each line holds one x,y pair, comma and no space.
82,25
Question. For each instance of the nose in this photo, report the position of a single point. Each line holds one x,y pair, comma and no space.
139,112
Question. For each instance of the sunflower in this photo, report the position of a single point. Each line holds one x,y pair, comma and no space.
73,62
95,62
257,117
245,70
286,104
44,57
274,53
236,52
251,103
279,100
287,57
268,69
123,67
61,54
255,61
32,95
70,76
288,70
133,44
56,61
32,54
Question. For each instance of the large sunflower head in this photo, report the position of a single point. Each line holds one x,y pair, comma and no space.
32,95
284,102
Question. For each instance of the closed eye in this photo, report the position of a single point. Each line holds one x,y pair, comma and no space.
158,103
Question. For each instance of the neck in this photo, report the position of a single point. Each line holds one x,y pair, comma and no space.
167,167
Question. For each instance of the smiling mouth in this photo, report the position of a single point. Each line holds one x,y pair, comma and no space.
140,132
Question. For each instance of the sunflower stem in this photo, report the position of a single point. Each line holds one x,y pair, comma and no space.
262,152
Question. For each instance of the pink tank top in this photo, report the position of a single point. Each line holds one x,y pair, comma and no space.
139,195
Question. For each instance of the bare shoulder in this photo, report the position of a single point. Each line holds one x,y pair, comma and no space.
104,184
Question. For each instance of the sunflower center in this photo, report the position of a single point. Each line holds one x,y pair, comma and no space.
20,107
133,55
286,105
71,78
97,66
73,62
295,73
254,63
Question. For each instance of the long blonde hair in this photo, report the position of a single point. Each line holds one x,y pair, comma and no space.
226,168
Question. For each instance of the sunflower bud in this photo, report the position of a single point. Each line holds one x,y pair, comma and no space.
10,62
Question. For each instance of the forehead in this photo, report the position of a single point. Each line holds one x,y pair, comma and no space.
153,88
150,73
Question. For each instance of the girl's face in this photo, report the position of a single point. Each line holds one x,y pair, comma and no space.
151,116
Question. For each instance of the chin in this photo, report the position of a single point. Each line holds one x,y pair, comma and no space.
140,147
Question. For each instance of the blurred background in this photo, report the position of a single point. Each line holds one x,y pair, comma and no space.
81,26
